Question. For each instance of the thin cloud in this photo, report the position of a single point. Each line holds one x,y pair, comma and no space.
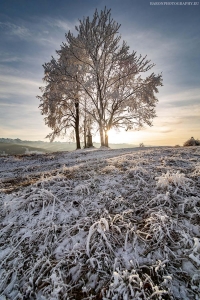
185,111
16,30
18,86
159,129
5,58
7,69
157,47
64,25
52,31
60,24
165,130
23,81
40,32
171,121
187,95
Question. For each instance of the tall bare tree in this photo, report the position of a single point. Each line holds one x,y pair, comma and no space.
105,73
118,95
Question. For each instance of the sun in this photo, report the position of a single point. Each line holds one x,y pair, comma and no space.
126,137
114,137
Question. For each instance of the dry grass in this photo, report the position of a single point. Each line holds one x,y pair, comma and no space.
102,225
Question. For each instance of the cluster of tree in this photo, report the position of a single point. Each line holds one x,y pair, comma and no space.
96,83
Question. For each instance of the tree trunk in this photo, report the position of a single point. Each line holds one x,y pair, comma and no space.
85,129
106,138
78,144
101,135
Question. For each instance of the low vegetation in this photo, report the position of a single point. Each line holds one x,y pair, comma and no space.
192,142
101,224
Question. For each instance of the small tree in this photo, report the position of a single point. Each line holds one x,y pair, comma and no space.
62,112
60,101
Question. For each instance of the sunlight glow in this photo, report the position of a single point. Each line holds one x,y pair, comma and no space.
113,136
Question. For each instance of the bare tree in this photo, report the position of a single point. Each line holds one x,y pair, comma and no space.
106,76
118,95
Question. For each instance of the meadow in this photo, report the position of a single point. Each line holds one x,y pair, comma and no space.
101,224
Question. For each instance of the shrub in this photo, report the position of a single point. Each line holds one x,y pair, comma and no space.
141,145
192,142
197,142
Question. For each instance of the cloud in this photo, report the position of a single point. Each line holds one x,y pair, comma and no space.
16,130
51,31
185,97
165,130
152,43
183,112
170,121
56,28
16,30
42,31
6,58
175,56
16,86
64,25
24,117
160,129
17,80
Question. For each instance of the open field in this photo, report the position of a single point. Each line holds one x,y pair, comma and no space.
101,224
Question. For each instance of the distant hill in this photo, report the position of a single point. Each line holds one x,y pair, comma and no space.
17,146
13,149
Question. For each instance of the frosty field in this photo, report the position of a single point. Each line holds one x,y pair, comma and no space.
101,224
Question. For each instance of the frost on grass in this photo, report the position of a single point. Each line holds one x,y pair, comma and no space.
117,224
174,179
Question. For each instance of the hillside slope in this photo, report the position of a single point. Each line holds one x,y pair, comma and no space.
101,224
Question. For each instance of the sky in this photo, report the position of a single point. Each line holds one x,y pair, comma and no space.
31,31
